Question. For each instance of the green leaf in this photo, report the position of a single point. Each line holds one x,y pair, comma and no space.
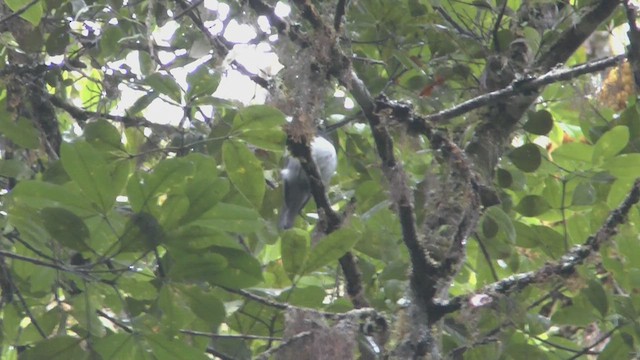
66,227
244,170
625,165
21,132
56,348
58,40
584,194
502,223
103,135
144,189
610,144
142,103
87,168
110,41
165,348
203,194
201,267
618,347
33,13
39,194
202,81
195,237
597,297
258,117
13,168
539,123
118,346
232,218
526,158
242,271
331,248
141,233
83,309
504,178
532,205
294,247
205,305
165,84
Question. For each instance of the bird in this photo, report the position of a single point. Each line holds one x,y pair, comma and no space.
297,190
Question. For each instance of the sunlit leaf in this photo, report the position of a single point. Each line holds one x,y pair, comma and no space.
244,170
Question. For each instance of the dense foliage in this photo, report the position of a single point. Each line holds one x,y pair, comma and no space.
140,184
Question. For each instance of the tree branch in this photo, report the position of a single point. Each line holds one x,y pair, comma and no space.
564,268
523,87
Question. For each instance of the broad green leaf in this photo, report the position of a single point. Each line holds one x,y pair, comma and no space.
110,41
142,233
205,305
142,103
39,194
584,194
244,171
232,218
83,309
202,81
308,296
173,208
576,314
597,297
502,221
294,247
573,155
58,40
88,168
526,158
165,84
610,144
21,132
242,271
258,117
32,11
56,348
66,227
204,193
201,267
539,123
13,168
504,178
532,205
173,307
165,348
194,237
331,248
268,139
118,346
625,165
144,189
103,135
620,346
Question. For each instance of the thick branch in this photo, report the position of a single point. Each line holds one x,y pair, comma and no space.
524,87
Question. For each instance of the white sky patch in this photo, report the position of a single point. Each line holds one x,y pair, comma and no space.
282,9
239,33
164,34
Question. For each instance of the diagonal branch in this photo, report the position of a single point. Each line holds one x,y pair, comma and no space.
563,268
524,87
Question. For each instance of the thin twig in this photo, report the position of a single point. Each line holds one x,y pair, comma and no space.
223,336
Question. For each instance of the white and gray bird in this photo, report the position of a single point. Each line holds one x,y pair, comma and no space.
297,190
